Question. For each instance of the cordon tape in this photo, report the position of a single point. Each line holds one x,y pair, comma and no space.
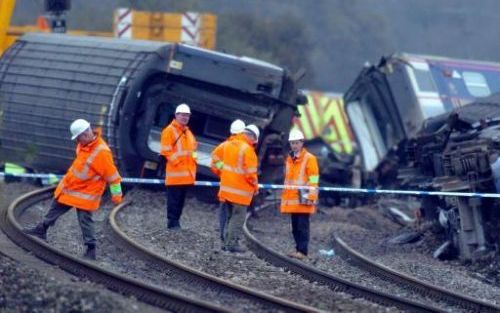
156,181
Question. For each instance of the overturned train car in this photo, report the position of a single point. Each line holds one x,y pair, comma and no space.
460,152
431,123
130,90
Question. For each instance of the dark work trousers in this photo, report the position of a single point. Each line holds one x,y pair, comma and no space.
176,196
300,231
222,218
251,207
236,215
84,219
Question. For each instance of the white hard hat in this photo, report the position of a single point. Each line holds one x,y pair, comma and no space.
182,108
78,127
295,134
254,129
237,126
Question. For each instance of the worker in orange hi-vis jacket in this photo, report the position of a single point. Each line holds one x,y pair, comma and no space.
238,184
301,170
178,146
83,185
237,127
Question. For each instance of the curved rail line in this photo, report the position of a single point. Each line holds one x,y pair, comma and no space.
424,288
332,281
168,300
200,278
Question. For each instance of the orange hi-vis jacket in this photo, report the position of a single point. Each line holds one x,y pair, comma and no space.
178,145
85,181
217,155
301,171
238,170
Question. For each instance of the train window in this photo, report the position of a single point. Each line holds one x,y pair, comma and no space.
476,84
424,81
217,127
154,140
164,115
421,77
425,89
201,124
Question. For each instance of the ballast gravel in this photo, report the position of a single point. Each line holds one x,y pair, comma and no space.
198,245
25,289
415,258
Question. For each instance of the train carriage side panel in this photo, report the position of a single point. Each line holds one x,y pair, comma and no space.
47,81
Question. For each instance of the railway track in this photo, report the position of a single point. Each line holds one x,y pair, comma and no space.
195,277
177,302
412,283
441,298
168,300
334,282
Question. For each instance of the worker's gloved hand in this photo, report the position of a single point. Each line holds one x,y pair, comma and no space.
117,199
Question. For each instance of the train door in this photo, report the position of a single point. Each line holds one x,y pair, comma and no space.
425,88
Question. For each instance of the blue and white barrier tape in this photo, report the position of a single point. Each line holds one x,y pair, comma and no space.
156,181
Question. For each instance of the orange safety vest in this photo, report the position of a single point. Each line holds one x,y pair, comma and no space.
301,171
238,175
178,145
84,183
217,155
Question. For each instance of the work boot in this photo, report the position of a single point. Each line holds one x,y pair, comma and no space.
300,256
175,225
39,231
291,254
236,249
297,255
90,253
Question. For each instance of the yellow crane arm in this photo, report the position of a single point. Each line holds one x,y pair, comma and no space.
6,10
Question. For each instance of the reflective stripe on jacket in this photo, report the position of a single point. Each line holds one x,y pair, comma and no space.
301,171
85,181
238,173
178,145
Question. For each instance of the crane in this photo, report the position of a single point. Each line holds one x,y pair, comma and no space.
6,10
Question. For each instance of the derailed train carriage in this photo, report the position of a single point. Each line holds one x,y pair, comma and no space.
415,131
130,90
460,152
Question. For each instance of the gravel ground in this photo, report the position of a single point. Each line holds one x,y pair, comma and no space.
24,289
198,245
113,258
414,259
274,230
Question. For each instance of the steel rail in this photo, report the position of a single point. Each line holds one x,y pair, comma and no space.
334,282
156,296
198,277
424,288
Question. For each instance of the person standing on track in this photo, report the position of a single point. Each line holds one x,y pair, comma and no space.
301,170
238,185
178,146
83,185
237,127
